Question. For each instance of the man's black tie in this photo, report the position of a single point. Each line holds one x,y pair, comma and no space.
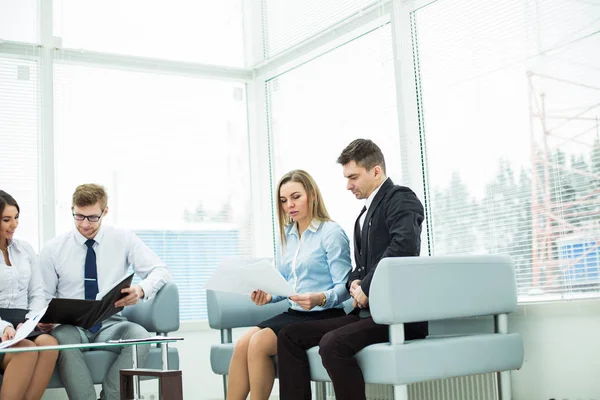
357,229
91,277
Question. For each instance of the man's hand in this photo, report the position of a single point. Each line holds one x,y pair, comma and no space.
260,298
8,334
46,328
353,286
308,300
134,293
361,299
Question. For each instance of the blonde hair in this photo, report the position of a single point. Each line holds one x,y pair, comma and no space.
316,205
89,194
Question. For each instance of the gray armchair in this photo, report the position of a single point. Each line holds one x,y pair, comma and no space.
159,315
404,290
227,311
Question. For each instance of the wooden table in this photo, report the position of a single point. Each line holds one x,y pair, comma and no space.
170,386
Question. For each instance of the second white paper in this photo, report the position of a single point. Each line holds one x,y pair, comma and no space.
239,275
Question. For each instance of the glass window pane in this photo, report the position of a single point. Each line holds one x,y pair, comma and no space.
289,22
173,154
18,20
19,141
204,31
511,105
320,107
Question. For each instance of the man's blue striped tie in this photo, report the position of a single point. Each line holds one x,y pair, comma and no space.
91,277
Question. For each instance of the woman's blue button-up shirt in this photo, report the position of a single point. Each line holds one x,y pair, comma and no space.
317,261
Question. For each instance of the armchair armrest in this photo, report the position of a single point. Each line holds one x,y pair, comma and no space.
233,310
161,314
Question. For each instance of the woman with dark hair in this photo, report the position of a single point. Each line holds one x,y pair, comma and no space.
314,257
25,375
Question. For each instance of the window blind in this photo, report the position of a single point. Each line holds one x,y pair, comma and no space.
287,23
19,113
510,96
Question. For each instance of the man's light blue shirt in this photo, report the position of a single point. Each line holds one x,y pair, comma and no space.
317,261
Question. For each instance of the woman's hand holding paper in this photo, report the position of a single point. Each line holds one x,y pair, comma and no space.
260,298
308,300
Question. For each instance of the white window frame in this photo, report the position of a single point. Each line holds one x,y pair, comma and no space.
255,75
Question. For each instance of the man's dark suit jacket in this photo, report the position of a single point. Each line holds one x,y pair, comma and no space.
392,228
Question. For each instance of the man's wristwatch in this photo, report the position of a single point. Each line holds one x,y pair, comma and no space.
323,301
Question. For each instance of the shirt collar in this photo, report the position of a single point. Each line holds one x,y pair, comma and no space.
315,224
372,195
82,239
12,243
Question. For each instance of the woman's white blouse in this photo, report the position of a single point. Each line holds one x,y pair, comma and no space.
20,285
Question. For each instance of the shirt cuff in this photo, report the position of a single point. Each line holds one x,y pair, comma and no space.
3,325
276,299
329,299
147,288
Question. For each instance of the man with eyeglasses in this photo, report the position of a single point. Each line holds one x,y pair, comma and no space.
85,261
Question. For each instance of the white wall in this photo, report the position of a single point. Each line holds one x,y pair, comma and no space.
562,351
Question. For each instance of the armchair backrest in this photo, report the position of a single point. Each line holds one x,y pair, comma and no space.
234,310
412,289
161,314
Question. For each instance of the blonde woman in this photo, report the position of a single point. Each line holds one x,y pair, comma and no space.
315,259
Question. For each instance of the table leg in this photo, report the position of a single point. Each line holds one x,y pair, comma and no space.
136,379
164,350
171,388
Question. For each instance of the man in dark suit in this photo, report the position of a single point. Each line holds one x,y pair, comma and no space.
388,226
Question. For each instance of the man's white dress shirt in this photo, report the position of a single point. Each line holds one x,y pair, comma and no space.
368,204
62,262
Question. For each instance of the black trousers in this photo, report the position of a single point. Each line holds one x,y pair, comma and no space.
339,339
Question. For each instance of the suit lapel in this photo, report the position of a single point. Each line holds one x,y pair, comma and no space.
372,208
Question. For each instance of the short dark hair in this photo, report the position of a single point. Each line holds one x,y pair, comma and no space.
364,153
7,200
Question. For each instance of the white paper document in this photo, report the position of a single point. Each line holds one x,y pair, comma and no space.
238,275
25,329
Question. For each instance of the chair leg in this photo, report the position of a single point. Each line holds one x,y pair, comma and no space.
320,390
225,387
400,392
504,385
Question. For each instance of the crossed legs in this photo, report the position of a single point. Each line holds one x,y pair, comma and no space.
251,369
26,375
339,339
46,361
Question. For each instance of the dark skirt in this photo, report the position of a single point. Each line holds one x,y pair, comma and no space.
15,316
292,316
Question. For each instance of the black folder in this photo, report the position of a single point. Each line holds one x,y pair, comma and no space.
86,313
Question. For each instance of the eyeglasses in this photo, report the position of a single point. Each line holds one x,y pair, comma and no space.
91,218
